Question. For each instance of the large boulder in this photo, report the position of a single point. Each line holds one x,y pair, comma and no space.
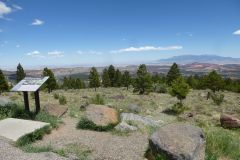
101,115
229,121
55,110
124,127
178,142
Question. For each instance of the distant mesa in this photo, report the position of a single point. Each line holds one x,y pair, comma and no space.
188,59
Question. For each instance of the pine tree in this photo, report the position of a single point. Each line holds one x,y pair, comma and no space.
111,74
94,80
20,73
105,78
179,88
214,81
192,82
118,78
3,83
126,79
173,74
143,81
51,83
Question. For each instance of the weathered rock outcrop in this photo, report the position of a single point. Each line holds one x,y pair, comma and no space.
178,142
101,115
137,119
229,121
55,110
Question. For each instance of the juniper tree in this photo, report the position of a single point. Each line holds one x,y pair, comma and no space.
214,81
20,73
118,78
111,74
173,74
143,81
94,80
3,83
105,78
126,79
179,89
51,83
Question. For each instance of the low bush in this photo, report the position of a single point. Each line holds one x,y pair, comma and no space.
20,113
160,88
217,98
5,111
36,149
62,100
178,108
32,137
98,99
85,123
45,117
56,96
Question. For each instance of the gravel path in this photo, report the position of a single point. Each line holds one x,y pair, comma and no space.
9,152
104,146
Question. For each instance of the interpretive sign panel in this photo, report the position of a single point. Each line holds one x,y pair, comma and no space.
29,84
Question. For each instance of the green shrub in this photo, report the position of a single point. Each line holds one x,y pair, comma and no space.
98,99
178,108
217,98
35,149
45,117
20,113
62,100
5,111
31,137
56,95
160,88
85,123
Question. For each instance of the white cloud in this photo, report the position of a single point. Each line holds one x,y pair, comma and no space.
147,48
36,54
237,32
56,54
4,9
37,22
17,7
91,52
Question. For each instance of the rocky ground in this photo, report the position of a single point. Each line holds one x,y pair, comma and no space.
148,110
103,145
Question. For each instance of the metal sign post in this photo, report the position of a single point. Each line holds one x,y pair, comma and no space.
30,85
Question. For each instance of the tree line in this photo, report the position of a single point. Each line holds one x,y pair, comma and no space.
142,81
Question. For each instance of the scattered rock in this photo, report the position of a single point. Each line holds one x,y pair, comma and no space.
134,108
4,101
178,142
137,118
229,121
124,127
55,110
85,97
118,97
101,114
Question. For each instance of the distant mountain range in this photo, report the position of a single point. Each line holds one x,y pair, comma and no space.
187,59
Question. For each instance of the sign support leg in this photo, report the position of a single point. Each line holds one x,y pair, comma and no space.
26,102
37,101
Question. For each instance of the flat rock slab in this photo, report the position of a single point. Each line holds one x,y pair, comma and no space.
13,129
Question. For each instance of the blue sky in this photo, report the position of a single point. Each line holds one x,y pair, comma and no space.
102,32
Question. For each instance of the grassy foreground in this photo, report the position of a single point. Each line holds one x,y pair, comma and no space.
221,143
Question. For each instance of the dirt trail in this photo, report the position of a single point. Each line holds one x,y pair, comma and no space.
104,146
